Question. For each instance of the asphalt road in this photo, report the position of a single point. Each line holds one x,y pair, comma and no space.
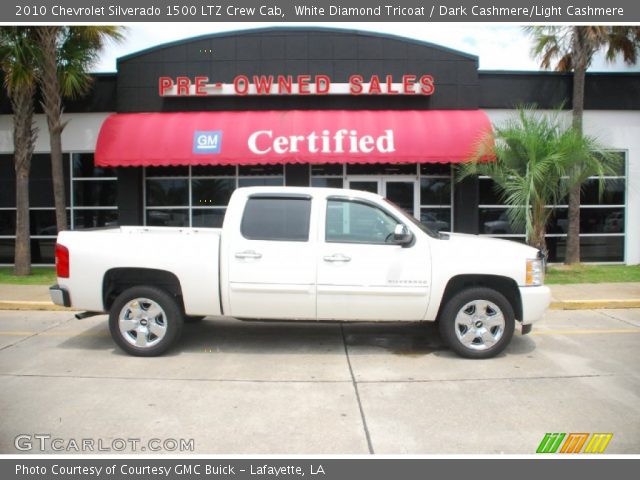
232,387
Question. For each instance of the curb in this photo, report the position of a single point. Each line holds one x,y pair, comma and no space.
593,304
28,305
563,305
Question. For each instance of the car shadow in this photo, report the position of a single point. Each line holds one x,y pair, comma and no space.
409,339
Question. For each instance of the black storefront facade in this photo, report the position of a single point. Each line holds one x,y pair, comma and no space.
188,194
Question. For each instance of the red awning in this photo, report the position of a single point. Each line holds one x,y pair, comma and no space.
294,136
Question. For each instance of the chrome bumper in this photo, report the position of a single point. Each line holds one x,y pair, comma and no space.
59,296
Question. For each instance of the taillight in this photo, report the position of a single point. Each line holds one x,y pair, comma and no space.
62,261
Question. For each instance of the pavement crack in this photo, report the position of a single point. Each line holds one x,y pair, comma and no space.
35,334
493,379
357,392
166,379
612,317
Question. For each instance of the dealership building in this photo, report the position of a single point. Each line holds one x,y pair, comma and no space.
167,138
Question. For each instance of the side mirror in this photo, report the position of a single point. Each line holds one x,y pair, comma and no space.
402,235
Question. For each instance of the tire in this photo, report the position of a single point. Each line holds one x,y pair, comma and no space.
477,322
145,321
193,318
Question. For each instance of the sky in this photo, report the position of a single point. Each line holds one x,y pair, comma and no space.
498,46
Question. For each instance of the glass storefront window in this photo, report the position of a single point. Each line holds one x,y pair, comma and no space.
40,185
7,183
208,217
327,182
167,192
90,195
174,217
435,191
8,222
83,167
213,171
94,193
432,169
436,196
212,191
612,194
261,182
87,218
437,219
381,169
602,219
197,196
327,170
328,175
495,221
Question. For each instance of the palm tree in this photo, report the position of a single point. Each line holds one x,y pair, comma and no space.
574,48
67,53
534,154
19,67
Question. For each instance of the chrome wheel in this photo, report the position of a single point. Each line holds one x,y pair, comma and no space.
142,322
479,324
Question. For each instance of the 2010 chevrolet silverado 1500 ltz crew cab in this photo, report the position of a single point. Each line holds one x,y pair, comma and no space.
286,253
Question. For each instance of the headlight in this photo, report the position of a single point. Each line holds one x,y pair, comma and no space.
535,272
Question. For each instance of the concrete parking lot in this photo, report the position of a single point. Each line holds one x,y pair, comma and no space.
304,388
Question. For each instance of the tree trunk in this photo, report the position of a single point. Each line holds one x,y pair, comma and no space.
24,140
538,229
52,106
23,242
573,228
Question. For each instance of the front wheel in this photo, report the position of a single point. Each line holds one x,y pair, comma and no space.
477,323
145,321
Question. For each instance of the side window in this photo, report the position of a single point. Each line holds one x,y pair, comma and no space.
355,222
273,218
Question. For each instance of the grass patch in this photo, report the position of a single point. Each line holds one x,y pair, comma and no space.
556,274
39,276
563,274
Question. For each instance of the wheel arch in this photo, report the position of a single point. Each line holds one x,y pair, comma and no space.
117,280
505,285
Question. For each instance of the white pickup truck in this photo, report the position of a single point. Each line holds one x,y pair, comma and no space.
308,254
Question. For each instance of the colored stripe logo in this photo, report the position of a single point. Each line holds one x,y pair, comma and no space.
574,442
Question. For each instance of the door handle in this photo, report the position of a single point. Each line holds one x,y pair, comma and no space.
338,257
248,254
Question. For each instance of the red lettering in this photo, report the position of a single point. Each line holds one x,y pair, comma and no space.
303,84
285,84
323,84
355,84
408,82
201,83
390,89
164,85
182,84
426,85
241,85
263,84
374,86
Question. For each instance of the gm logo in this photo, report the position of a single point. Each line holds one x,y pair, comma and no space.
573,442
207,141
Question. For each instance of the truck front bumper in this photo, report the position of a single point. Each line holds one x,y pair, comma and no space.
59,296
535,300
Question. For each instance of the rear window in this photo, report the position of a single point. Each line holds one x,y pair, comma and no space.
273,218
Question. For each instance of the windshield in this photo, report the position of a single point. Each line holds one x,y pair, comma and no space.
413,220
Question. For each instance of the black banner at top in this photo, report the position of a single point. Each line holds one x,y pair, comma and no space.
518,11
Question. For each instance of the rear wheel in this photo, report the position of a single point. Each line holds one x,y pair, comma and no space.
477,323
145,321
